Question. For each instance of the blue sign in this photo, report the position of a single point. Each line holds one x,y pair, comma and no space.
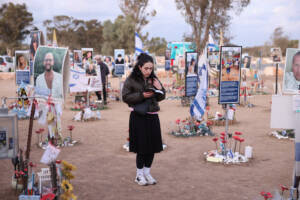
22,76
119,69
167,65
31,67
230,74
229,92
191,85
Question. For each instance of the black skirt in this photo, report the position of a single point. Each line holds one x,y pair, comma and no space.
144,133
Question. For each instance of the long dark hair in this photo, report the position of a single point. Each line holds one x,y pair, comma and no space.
141,60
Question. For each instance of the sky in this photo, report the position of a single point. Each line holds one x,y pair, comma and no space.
254,26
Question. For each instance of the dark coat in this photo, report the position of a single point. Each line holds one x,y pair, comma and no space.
104,71
133,89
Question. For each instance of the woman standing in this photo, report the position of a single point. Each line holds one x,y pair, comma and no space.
144,129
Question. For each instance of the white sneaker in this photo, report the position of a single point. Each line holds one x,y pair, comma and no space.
140,179
150,179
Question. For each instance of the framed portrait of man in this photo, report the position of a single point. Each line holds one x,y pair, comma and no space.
276,55
49,71
230,74
119,62
22,66
291,78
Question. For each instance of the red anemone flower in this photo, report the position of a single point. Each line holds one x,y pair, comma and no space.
70,127
238,133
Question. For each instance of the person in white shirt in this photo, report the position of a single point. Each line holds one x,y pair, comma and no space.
292,79
49,82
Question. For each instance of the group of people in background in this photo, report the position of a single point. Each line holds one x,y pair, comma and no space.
106,65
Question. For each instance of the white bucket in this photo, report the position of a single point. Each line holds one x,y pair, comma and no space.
248,152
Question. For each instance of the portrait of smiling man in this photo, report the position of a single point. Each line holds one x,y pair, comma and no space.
49,82
292,74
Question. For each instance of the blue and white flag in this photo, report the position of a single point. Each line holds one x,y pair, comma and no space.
138,44
211,44
197,108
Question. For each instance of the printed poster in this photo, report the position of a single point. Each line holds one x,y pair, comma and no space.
230,74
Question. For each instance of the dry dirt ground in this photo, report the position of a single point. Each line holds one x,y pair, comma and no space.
105,171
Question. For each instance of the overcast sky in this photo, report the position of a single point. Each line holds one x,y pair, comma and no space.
253,26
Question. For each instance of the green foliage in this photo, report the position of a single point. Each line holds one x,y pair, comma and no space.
157,45
15,22
207,16
75,33
136,10
118,35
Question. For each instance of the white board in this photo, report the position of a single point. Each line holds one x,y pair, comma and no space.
282,114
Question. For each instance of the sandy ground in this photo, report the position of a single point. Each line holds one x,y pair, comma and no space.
105,171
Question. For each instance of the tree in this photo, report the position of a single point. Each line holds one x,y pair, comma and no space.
207,16
279,39
136,9
75,33
157,45
15,22
118,35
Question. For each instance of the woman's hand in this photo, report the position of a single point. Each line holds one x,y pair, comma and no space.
148,94
157,84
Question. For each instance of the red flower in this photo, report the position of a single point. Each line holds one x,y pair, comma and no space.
283,188
207,108
238,133
42,130
222,137
241,139
269,195
70,127
177,121
37,132
236,137
219,115
224,141
215,139
266,195
223,133
49,196
183,121
209,123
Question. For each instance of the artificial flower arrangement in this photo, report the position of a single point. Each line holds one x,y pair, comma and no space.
20,107
66,186
62,142
220,119
284,134
229,149
190,127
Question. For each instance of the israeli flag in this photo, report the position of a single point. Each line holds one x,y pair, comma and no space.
211,44
197,108
138,44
